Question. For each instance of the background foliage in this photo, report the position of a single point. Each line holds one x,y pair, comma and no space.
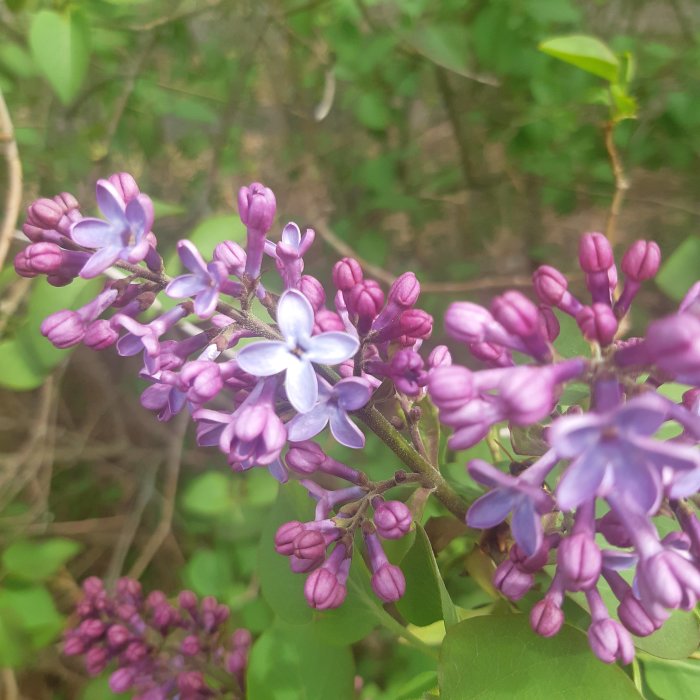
426,136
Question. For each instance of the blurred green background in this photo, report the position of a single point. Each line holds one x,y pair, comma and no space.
431,136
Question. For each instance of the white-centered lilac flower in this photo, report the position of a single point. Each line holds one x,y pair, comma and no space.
615,451
204,282
288,253
333,405
124,234
298,351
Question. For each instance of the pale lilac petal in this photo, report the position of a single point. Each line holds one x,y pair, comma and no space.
486,474
300,384
668,454
206,301
687,484
109,201
527,527
573,435
581,480
291,235
345,431
635,476
332,348
137,252
643,415
264,358
129,345
468,436
185,286
491,509
304,426
99,262
192,259
352,393
139,214
279,471
295,316
95,233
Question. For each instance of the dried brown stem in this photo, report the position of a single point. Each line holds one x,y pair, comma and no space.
621,182
13,196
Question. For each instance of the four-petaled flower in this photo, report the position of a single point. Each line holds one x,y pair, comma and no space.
296,353
123,236
333,405
204,283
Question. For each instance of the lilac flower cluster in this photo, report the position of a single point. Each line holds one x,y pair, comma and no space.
307,544
161,650
611,473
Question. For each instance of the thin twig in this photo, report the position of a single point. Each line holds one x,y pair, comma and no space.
9,684
172,473
621,182
201,7
13,197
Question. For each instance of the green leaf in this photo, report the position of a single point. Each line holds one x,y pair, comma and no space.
494,657
677,639
161,208
98,689
681,270
372,111
289,663
671,679
443,44
426,599
584,52
208,495
624,105
208,572
37,561
60,46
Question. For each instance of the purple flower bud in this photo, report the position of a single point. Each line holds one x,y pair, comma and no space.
579,560
323,590
672,343
44,214
285,536
202,380
595,253
512,581
669,580
63,328
552,289
310,544
451,387
232,256
187,601
305,457
303,566
22,265
96,660
546,617
407,372
93,628
93,586
117,636
346,274
388,583
125,185
635,618
641,261
135,652
45,257
365,300
404,291
100,335
121,680
613,530
492,353
392,519
467,322
313,290
237,661
257,207
416,324
439,357
73,645
598,323
326,320
191,682
610,641
549,324
516,313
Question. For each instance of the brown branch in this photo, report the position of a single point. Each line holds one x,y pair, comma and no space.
621,182
13,197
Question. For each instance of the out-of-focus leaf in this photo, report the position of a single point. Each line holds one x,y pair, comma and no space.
447,45
98,689
584,52
493,657
681,269
677,639
60,46
671,679
37,561
208,495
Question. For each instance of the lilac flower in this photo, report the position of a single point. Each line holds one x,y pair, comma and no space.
296,353
123,236
288,253
614,451
204,282
523,496
333,405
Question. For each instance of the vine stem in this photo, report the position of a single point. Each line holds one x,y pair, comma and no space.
621,182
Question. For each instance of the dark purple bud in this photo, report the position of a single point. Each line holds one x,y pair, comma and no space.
516,313
303,566
407,372
392,519
117,636
190,645
533,563
66,201
257,207
672,343
121,680
512,581
365,300
187,601
439,357
285,536
73,645
45,214
641,261
96,660
598,323
346,274
451,387
546,617
202,380
610,641
93,586
549,324
22,265
635,618
237,661
135,652
613,530
552,289
313,290
156,599
232,256
595,253
323,591
125,185
305,457
388,583
327,320
404,291
45,257
310,544
92,629
496,355
579,560
100,335
242,638
416,323
63,328
191,682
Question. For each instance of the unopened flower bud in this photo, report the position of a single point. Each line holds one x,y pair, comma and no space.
598,323
310,544
313,290
285,536
100,335
392,519
257,207
232,256
121,680
546,617
610,641
439,357
641,261
63,328
125,185
346,274
389,583
579,560
512,581
595,253
305,457
451,387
